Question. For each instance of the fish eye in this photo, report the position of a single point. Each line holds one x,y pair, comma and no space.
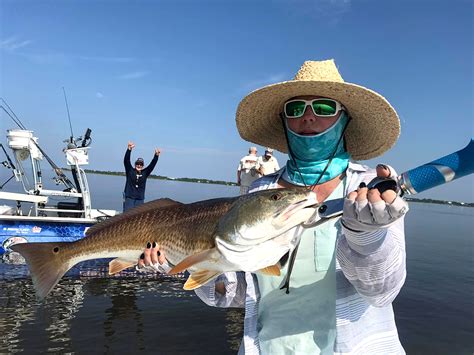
275,197
55,250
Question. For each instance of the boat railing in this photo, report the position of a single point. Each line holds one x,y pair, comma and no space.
26,149
19,198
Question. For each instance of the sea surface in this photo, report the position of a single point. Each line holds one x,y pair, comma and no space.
97,314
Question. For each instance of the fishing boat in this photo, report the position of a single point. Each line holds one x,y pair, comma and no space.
32,212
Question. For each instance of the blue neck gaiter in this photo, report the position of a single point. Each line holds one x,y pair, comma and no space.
309,155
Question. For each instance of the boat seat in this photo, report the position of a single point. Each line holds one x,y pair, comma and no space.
69,206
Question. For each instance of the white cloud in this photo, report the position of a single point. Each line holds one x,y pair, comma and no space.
47,58
12,43
7,41
134,75
270,79
332,10
108,59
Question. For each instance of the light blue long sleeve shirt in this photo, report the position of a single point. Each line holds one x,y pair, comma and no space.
370,271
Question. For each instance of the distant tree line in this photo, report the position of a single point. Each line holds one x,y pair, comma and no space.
160,177
220,182
440,202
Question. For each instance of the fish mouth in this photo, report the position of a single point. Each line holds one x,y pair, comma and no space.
283,215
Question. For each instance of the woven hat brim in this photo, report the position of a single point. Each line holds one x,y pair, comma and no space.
374,128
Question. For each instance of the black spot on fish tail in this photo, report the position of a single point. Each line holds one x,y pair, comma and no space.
46,264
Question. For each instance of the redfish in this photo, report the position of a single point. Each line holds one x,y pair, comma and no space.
207,238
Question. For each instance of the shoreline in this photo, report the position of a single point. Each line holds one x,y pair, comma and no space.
228,183
160,177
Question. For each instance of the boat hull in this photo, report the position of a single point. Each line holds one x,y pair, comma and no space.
38,231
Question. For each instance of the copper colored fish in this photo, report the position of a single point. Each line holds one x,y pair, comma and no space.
208,238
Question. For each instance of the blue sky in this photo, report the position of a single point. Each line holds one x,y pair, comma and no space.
170,74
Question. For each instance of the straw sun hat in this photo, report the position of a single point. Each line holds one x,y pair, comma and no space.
374,127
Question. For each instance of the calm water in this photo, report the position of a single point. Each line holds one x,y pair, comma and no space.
152,314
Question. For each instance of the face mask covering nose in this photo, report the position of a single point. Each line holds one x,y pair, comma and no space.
309,155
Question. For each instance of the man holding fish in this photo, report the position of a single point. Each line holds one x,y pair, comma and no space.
346,272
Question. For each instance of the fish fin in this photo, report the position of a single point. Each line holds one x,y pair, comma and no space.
199,278
146,207
46,263
119,264
272,270
191,260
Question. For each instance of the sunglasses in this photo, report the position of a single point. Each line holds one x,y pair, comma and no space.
321,107
138,164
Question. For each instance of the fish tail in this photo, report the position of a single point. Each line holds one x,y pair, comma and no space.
47,264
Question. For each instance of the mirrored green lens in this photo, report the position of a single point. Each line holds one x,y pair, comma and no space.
295,108
324,107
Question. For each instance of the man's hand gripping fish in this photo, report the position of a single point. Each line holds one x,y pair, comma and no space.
207,238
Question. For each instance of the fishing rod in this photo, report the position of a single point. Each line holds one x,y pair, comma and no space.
424,177
16,119
69,116
63,178
437,172
12,115
8,164
73,144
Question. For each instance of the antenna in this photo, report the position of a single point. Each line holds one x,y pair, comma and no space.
69,117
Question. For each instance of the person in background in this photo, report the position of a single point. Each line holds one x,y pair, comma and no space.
246,171
135,184
347,271
267,163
